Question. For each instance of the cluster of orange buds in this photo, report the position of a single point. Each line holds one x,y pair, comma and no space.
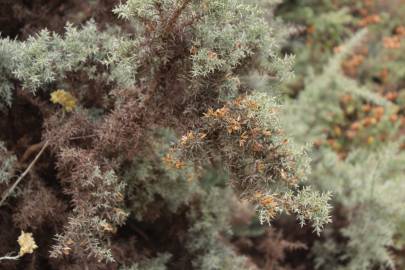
179,164
318,142
218,113
257,147
391,96
108,227
384,74
366,108
334,144
233,125
400,31
251,105
394,117
254,134
378,112
350,66
354,128
368,3
171,162
338,49
243,139
350,134
311,29
393,42
370,19
246,103
238,101
268,202
369,121
337,130
346,99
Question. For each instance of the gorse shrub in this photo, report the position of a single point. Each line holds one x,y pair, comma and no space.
347,102
155,126
264,168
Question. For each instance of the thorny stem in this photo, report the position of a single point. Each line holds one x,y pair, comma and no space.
9,191
174,17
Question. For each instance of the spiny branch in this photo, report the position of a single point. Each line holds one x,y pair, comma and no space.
176,14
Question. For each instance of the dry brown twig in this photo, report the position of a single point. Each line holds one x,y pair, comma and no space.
10,190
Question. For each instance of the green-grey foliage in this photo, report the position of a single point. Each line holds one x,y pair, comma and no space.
7,164
8,48
374,216
158,263
367,183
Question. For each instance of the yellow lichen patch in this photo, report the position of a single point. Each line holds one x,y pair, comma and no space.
27,243
63,98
